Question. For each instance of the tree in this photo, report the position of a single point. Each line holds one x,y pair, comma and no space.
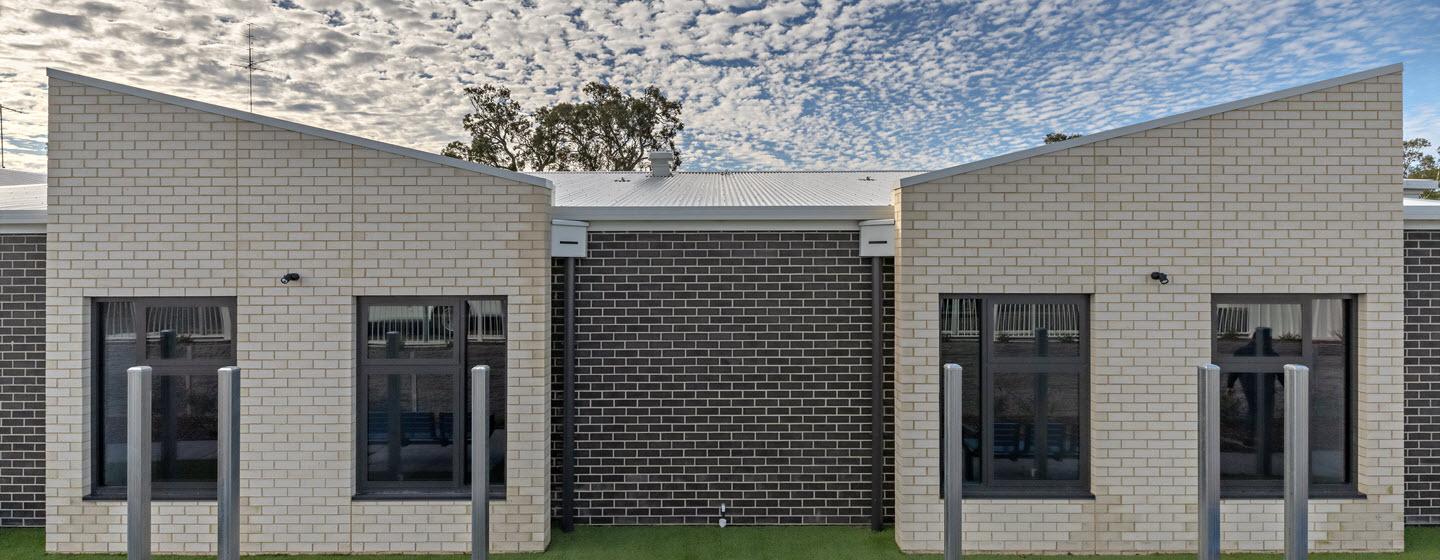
606,131
1418,164
1054,137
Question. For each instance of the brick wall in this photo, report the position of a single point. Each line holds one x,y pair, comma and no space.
1422,377
22,380
218,206
1295,195
720,367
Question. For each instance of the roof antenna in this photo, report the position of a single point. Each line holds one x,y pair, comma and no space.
252,64
2,131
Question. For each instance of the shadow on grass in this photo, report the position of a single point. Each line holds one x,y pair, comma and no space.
705,543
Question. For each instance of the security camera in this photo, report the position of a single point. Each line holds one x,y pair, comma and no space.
289,277
1160,277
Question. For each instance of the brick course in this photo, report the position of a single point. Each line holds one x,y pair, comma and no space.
22,380
721,367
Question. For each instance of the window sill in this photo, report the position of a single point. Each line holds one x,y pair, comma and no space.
1278,494
1018,494
156,497
422,496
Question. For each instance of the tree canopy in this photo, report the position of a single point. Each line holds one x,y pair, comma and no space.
1054,137
1418,164
607,130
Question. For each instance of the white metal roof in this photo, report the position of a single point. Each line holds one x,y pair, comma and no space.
1422,214
1413,187
22,207
1148,125
296,127
17,177
724,195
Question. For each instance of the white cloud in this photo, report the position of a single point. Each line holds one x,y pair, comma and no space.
819,84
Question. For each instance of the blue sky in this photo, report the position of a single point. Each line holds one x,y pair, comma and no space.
766,85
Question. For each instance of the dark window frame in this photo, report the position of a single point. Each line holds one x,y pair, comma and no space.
1250,489
456,488
162,490
1079,365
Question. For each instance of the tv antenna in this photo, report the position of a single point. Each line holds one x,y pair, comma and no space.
2,131
252,64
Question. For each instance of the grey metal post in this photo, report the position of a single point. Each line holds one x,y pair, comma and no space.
1208,452
479,463
1297,462
228,503
137,462
954,459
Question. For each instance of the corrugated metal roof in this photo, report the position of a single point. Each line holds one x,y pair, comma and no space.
17,177
1413,187
730,189
22,197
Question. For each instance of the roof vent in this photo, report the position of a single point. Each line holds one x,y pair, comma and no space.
660,161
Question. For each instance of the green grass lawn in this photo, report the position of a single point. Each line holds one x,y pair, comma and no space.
703,543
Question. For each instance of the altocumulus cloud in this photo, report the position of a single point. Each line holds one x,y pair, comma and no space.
813,84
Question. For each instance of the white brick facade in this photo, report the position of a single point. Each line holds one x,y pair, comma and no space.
154,199
1296,195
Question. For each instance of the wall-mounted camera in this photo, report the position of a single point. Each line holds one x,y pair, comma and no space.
290,277
1160,277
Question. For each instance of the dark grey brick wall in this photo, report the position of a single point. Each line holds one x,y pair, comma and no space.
22,380
1422,377
722,367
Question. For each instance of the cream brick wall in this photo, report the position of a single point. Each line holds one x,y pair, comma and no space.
1297,195
153,199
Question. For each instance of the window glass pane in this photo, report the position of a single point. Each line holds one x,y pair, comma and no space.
485,345
409,332
1062,426
960,344
115,325
189,332
1014,426
1252,427
1257,330
184,423
1329,385
410,427
1037,329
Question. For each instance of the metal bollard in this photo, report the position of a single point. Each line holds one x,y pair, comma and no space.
954,458
137,462
1208,452
227,522
1297,462
479,463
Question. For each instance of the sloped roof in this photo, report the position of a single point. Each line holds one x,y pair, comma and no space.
1148,125
296,127
17,177
22,205
724,195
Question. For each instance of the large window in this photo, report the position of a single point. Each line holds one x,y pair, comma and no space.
1254,338
415,354
1026,376
184,341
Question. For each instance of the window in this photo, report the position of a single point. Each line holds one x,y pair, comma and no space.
1026,376
1254,338
415,355
184,341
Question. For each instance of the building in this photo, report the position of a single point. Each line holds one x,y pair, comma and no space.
766,341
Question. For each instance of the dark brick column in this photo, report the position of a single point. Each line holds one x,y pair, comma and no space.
723,367
22,380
